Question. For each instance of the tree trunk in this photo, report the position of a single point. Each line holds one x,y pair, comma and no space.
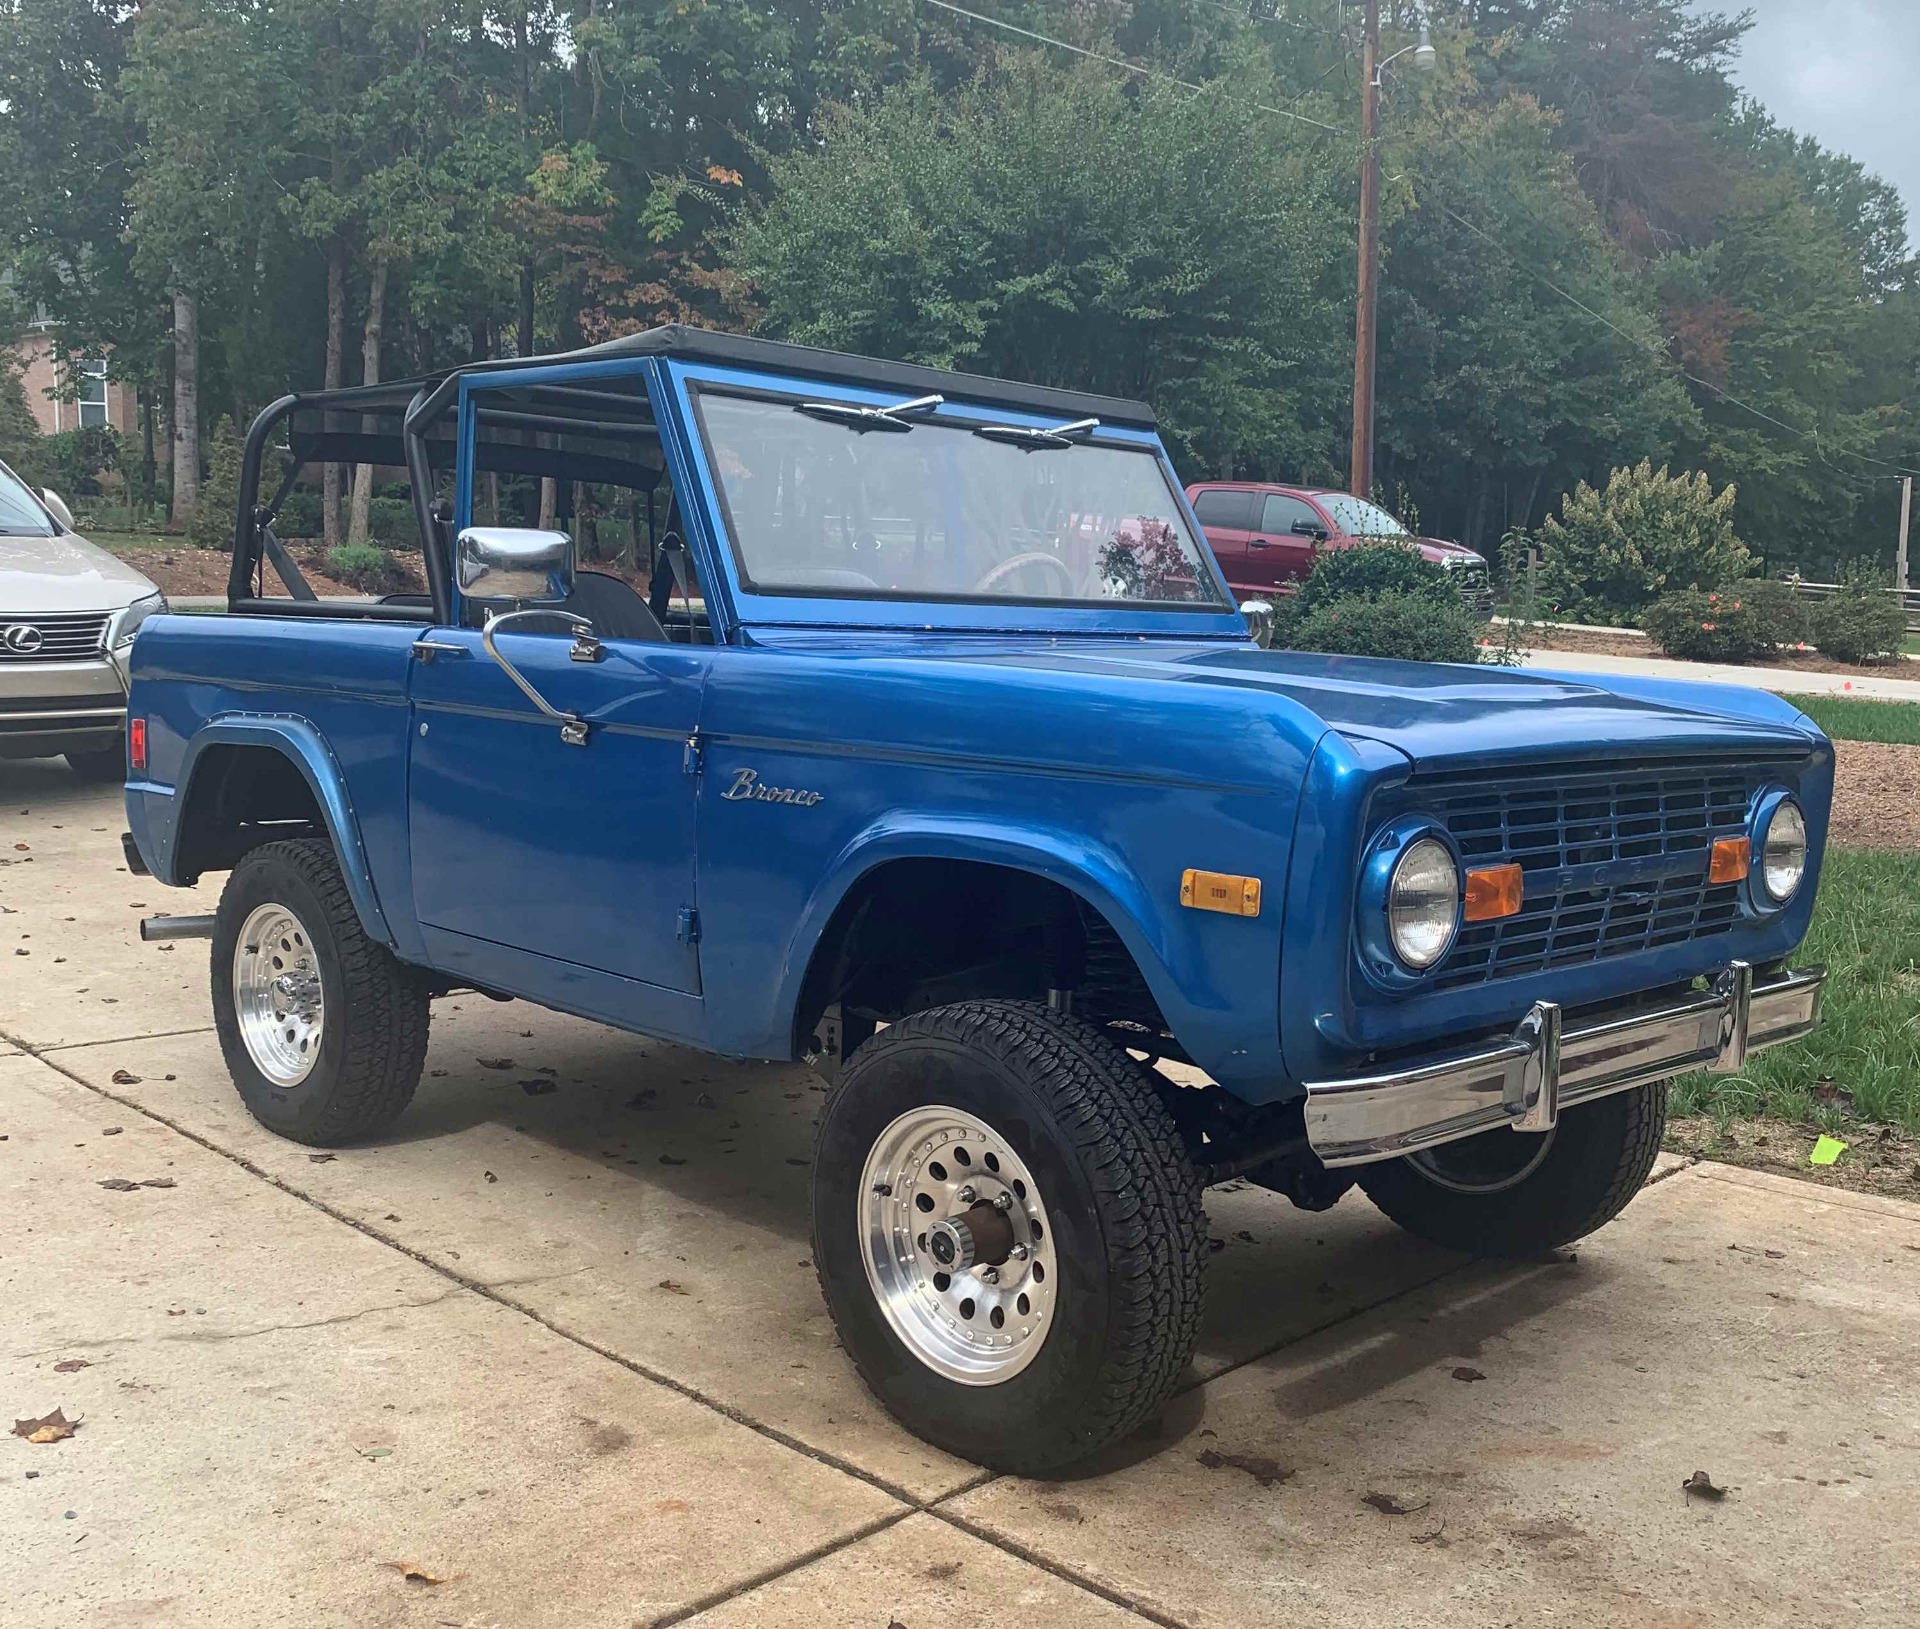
525,334
369,375
186,408
330,483
147,476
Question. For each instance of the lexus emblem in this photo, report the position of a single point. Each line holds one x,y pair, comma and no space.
21,638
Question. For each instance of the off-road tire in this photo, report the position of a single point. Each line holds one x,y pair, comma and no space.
104,765
1124,1206
374,1039
1600,1157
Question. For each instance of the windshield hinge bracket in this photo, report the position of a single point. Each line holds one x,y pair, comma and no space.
689,925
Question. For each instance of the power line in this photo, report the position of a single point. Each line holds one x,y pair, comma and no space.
1129,67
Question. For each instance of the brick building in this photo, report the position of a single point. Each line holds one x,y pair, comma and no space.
89,397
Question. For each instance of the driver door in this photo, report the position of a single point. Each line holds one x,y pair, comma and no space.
525,845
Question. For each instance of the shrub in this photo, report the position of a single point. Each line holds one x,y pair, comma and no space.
390,521
1734,623
1860,623
1410,627
299,516
1371,570
1610,553
365,566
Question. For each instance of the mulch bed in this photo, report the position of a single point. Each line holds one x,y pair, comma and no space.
1876,796
1879,1159
1611,644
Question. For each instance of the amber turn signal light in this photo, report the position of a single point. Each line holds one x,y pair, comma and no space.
1220,891
1494,891
1730,859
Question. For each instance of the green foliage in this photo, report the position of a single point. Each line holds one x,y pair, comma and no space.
1407,627
74,462
299,516
1735,623
1378,599
1613,550
213,522
366,567
1372,570
390,521
1859,622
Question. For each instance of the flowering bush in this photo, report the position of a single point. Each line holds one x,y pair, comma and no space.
1734,623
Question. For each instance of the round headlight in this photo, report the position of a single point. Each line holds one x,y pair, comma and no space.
1423,903
1783,852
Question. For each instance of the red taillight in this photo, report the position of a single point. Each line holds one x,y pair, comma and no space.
137,742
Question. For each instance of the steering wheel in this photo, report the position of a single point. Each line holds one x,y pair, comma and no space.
1017,562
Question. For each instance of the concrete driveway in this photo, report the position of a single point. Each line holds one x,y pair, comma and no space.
555,1342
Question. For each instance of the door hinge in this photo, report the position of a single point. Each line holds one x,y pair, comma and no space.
690,758
689,925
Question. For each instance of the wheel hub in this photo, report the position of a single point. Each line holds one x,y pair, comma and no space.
278,1000
958,1250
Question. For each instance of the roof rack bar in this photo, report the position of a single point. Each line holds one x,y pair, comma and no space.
560,425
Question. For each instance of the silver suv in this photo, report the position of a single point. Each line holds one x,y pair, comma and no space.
68,614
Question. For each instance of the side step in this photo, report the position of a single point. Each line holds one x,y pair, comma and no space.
155,928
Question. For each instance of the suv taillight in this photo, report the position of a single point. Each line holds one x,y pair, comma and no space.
137,743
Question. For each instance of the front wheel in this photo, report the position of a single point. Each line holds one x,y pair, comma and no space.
1008,1233
324,1030
1512,1193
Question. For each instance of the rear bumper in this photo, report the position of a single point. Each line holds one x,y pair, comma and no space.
1525,1081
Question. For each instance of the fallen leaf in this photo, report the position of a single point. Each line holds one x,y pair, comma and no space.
671,1287
1777,1255
672,1507
494,1063
71,1365
1267,1472
322,1159
119,1184
110,1131
489,1176
539,1087
54,1427
1468,1373
1389,1504
125,1077
1824,1091
159,1182
379,1452
1702,1485
669,1159
413,1572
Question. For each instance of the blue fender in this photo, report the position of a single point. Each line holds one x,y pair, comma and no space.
1099,875
298,740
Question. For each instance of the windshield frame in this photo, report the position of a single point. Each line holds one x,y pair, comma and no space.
849,608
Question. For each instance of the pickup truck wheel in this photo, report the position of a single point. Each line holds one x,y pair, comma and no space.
1008,1232
324,1031
1508,1193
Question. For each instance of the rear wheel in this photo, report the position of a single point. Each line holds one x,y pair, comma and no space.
1510,1193
324,1031
1008,1233
105,764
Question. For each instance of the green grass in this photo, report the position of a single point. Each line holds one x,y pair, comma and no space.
1849,718
1866,929
134,542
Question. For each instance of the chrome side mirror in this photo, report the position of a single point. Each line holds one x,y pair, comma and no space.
1259,615
517,565
56,507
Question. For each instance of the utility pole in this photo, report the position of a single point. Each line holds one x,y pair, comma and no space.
1906,514
1364,311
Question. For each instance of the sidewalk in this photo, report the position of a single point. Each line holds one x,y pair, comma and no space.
1790,681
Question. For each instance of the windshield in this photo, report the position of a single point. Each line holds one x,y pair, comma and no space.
1358,518
20,512
916,508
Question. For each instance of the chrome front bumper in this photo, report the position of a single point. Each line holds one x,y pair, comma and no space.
1526,1081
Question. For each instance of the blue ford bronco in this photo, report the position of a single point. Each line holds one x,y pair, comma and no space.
939,756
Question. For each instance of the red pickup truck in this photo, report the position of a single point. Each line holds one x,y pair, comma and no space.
1267,537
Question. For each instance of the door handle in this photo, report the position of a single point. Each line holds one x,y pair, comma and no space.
573,728
1259,543
431,650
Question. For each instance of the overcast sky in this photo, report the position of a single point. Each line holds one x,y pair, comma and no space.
1846,72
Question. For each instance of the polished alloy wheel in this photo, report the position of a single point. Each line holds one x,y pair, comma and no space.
277,995
958,1249
1489,1163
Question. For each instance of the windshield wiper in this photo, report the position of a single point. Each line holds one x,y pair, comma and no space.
1031,440
869,418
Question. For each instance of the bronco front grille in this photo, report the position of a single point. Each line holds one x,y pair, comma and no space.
1615,861
63,636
